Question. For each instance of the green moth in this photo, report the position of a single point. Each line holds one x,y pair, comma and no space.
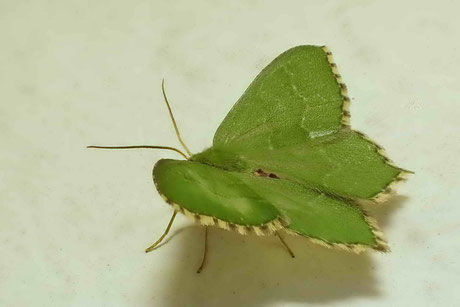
285,158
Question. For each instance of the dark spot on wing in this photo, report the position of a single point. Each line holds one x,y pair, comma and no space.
261,173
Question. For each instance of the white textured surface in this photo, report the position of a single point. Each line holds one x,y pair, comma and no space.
74,222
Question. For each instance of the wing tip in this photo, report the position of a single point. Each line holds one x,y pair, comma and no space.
390,189
402,176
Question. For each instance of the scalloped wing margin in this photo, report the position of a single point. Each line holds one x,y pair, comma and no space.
386,193
357,248
343,88
299,88
206,220
212,196
401,177
333,222
325,219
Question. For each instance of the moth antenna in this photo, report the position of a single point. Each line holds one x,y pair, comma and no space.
205,250
285,245
141,146
152,247
172,118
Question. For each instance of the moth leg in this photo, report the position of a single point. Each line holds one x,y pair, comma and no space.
285,245
205,250
154,245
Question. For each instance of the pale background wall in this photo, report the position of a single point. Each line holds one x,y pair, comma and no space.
74,222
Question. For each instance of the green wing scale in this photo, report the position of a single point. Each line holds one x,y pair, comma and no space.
285,157
213,196
345,163
250,203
